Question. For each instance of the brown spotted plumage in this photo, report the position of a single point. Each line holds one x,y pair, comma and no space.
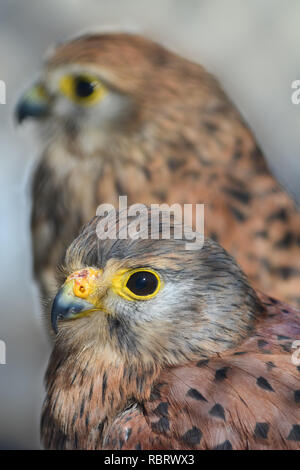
206,363
164,132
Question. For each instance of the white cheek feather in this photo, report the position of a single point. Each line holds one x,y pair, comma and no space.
172,296
92,122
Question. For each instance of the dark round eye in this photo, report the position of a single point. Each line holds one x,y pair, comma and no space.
83,87
142,283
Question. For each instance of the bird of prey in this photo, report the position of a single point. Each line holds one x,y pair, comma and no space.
159,347
121,115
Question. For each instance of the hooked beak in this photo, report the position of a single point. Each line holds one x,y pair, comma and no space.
35,103
71,300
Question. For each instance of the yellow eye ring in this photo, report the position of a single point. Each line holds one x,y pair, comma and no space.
82,89
148,281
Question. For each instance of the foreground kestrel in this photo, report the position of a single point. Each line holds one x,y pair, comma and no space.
124,116
159,347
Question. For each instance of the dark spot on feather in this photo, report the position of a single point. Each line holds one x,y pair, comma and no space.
221,374
192,436
214,236
295,433
297,396
75,416
261,343
101,426
74,378
162,409
261,234
162,425
82,407
104,386
239,216
160,57
161,195
210,126
257,157
91,391
270,365
280,214
286,272
119,187
218,411
226,445
239,353
261,430
286,347
138,446
203,362
286,241
146,172
192,174
240,195
175,163
193,393
282,337
264,384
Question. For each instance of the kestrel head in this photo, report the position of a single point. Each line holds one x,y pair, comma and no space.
113,82
151,300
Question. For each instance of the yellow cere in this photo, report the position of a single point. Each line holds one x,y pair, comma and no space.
82,89
84,281
37,93
120,280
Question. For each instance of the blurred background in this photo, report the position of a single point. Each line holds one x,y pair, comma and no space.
252,47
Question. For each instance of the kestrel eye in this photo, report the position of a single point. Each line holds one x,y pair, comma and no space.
142,283
84,87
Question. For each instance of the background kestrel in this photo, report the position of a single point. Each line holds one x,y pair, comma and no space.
124,116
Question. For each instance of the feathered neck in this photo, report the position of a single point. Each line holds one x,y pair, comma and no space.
85,393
